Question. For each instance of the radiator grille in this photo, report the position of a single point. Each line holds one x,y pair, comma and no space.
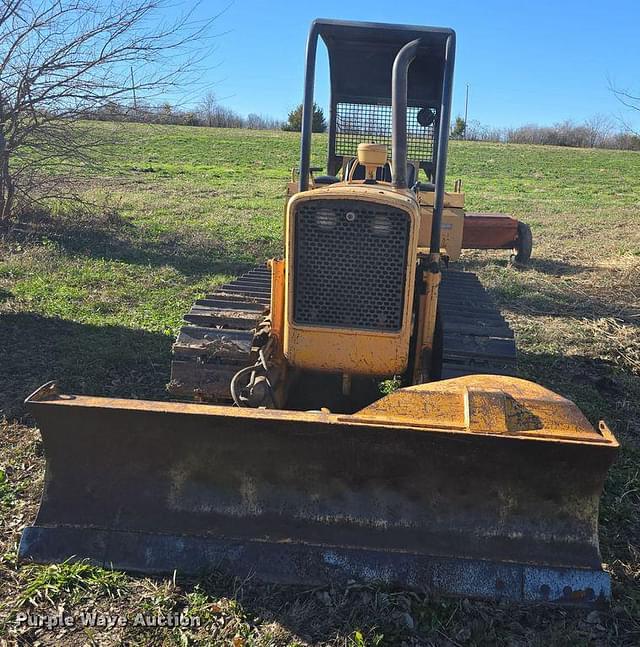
364,122
350,264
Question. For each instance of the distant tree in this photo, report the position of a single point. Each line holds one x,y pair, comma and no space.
191,119
598,129
226,118
208,107
459,128
294,121
165,113
253,121
475,131
260,122
624,141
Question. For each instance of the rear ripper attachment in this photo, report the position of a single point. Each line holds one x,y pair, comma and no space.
481,486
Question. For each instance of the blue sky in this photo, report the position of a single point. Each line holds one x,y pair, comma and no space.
527,61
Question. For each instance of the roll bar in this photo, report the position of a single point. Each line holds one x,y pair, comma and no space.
399,103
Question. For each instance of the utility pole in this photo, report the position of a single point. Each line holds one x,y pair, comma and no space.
133,87
466,110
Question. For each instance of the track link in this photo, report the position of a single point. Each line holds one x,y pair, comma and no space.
476,338
217,338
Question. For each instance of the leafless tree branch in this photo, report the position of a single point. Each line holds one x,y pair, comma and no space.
61,61
628,99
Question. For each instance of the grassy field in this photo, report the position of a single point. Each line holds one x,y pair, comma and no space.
93,298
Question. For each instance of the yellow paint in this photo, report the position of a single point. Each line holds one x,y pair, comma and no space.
426,320
292,189
371,156
277,298
486,404
516,408
451,232
343,350
452,221
453,200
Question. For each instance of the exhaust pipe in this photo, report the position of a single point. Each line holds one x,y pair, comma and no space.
399,84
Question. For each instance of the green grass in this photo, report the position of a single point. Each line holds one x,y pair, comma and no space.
71,581
93,296
8,491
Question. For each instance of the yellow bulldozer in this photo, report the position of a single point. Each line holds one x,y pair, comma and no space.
347,411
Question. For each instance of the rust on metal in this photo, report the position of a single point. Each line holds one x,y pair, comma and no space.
278,268
489,231
426,318
423,475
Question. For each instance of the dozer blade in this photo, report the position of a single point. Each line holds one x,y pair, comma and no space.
479,486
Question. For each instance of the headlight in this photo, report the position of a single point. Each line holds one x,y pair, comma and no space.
381,225
326,218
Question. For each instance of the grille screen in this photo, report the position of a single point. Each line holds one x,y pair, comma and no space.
361,122
350,264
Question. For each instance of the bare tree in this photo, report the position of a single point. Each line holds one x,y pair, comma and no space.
262,122
208,107
598,130
62,61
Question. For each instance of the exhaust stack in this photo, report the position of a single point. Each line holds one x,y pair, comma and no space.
399,85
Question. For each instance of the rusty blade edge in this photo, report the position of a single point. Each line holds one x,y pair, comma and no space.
300,563
49,394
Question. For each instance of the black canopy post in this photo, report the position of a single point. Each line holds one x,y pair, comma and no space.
443,142
307,107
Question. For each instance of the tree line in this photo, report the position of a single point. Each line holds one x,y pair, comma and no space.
597,132
66,63
207,113
167,114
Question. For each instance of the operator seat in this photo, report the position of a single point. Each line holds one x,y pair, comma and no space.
383,173
325,179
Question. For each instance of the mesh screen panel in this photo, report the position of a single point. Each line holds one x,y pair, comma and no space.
350,264
362,122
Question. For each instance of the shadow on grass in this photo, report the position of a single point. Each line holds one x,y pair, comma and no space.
555,267
318,615
547,299
603,391
549,266
118,361
521,291
321,615
5,295
107,235
97,360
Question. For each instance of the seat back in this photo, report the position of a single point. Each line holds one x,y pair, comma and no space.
383,173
